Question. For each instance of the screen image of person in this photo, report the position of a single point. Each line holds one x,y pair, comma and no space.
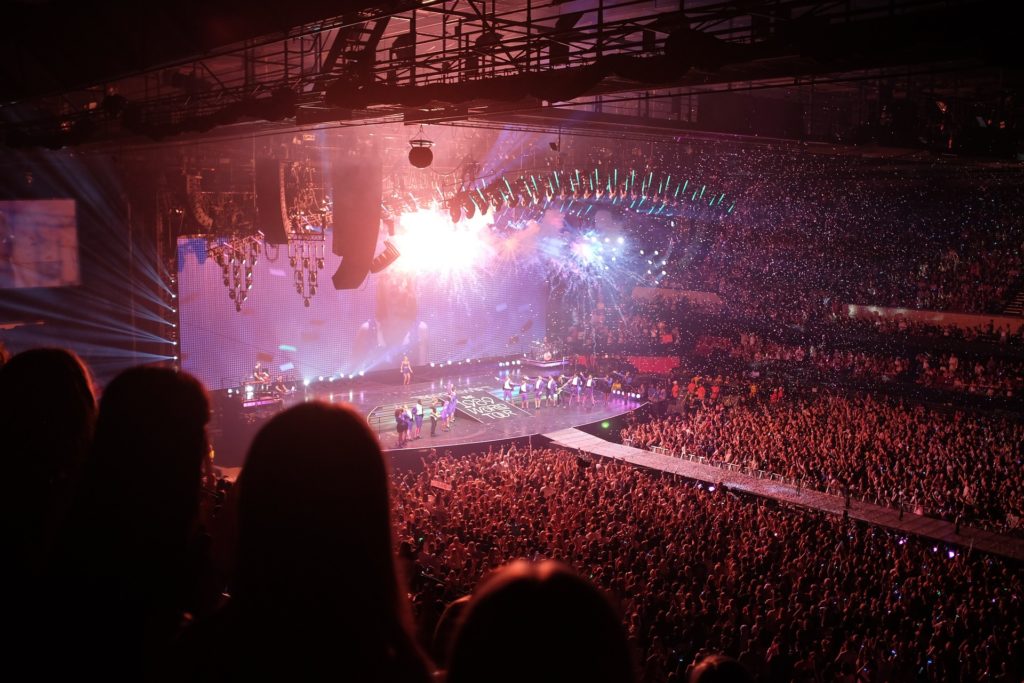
395,328
6,252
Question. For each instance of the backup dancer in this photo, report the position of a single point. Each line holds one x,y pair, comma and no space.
576,390
418,417
453,403
507,388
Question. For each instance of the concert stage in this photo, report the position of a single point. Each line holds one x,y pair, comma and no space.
482,415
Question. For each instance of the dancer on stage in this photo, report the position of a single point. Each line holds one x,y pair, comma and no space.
434,413
538,389
506,388
418,417
448,414
454,404
551,394
400,425
524,393
590,388
406,370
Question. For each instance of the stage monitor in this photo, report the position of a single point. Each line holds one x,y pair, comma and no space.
38,243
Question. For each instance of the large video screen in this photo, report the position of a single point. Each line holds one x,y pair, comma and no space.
38,243
448,297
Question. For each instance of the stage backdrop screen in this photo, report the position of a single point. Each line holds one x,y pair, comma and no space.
38,243
496,308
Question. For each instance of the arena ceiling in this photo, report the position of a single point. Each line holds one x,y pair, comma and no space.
942,76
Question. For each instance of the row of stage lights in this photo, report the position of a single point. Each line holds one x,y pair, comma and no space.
442,364
626,394
575,193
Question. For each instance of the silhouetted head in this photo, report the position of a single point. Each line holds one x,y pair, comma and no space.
444,632
719,669
314,511
538,623
47,414
148,458
315,564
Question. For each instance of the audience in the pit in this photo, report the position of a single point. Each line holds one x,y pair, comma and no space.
791,595
948,463
133,553
315,593
541,623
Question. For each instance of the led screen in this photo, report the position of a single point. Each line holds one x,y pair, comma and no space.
445,299
38,243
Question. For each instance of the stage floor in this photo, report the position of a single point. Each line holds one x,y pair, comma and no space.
482,414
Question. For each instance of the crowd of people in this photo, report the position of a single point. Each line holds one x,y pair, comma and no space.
992,376
793,596
810,230
129,559
133,559
953,464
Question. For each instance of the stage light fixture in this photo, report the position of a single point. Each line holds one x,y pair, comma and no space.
420,155
385,258
454,210
307,256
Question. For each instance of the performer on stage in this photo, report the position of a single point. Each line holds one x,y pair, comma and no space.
433,417
400,425
538,388
260,377
448,414
524,393
418,417
280,389
453,403
552,391
506,388
590,388
577,387
406,370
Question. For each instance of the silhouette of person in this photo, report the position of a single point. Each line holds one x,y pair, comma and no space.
47,415
539,623
315,594
132,555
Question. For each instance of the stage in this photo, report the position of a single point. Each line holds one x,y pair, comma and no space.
482,416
